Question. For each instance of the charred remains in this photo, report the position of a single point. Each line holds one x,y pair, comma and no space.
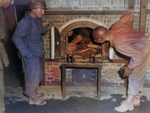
81,47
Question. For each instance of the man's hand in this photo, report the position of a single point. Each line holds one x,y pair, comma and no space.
49,26
124,72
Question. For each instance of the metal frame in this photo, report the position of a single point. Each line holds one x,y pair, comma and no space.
86,66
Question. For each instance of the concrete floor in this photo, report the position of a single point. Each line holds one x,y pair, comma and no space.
78,100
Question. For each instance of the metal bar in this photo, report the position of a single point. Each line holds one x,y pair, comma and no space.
63,82
131,6
99,82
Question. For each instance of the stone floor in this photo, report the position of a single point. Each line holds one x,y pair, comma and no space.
78,100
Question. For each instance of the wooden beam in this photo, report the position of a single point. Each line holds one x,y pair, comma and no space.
148,11
112,12
143,15
102,12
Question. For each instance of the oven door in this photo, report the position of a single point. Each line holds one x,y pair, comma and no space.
54,43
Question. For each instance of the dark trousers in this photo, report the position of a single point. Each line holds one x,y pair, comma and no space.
33,75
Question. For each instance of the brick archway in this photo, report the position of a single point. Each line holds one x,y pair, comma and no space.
76,23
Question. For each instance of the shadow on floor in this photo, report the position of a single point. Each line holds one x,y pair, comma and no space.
76,105
13,76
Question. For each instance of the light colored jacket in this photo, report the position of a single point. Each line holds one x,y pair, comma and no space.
130,42
3,56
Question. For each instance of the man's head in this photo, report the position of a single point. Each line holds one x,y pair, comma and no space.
100,34
37,8
35,4
5,3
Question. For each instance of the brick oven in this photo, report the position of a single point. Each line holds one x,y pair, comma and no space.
57,54
81,26
69,15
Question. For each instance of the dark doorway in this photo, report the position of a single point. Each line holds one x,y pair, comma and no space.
13,75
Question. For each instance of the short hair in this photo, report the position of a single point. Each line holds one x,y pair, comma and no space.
98,32
100,28
33,4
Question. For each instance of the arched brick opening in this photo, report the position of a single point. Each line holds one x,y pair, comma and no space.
77,23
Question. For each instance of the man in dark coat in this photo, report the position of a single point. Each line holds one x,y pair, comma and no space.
3,56
28,39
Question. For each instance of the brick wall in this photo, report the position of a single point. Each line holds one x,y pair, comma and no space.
147,78
109,71
52,73
89,4
59,20
109,75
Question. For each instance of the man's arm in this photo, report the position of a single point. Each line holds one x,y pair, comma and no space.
127,19
135,54
19,38
44,30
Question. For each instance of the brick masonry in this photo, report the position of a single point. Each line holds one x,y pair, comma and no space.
52,73
59,20
53,78
109,75
109,70
90,4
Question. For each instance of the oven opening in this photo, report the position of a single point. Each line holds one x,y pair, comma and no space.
80,46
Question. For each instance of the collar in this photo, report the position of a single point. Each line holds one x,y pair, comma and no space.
30,17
